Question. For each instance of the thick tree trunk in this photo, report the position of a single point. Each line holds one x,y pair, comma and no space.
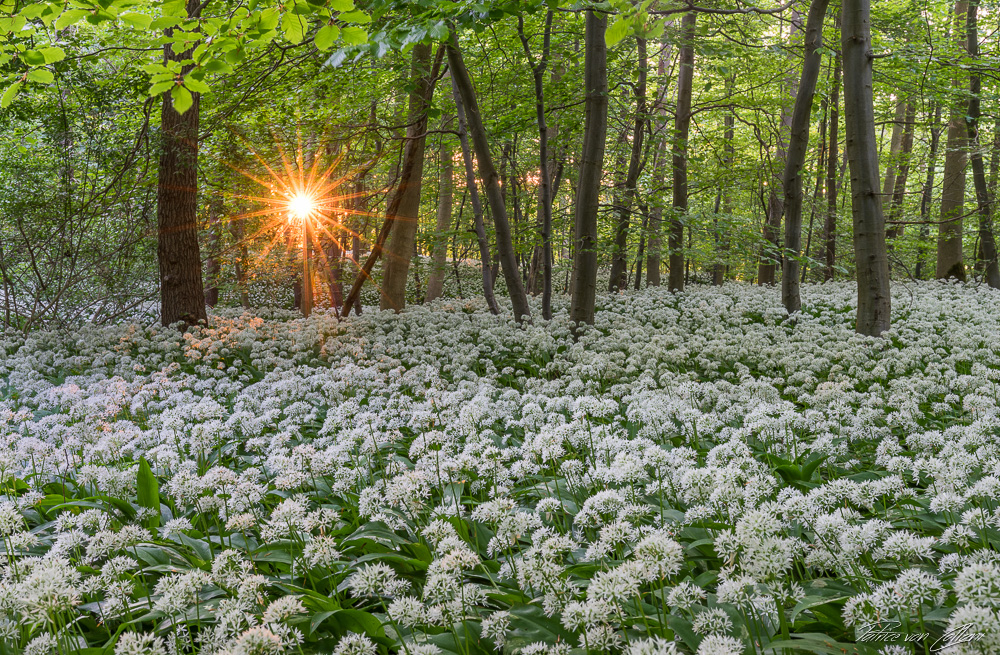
472,189
619,261
927,197
983,197
950,261
830,227
588,196
866,205
798,143
544,179
435,283
682,127
404,206
182,295
402,238
491,182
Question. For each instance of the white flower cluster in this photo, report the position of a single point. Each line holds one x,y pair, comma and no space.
696,473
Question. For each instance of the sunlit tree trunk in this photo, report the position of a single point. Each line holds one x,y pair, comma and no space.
798,144
866,204
182,294
491,182
588,193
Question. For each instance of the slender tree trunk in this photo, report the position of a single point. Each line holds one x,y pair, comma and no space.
472,189
818,188
402,238
435,284
984,200
926,197
213,267
682,127
725,195
334,252
491,182
895,146
619,261
182,294
950,261
771,257
242,254
544,180
899,184
830,227
588,195
656,212
642,249
795,160
866,205
404,207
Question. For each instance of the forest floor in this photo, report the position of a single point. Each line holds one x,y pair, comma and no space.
695,474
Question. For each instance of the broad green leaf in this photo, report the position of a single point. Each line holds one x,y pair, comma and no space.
52,54
41,75
141,21
148,487
356,16
195,85
293,27
182,99
326,36
9,95
354,35
69,17
617,30
341,5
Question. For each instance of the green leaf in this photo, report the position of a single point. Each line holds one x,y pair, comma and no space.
9,95
41,75
617,30
135,19
216,66
69,17
182,99
147,484
356,16
293,27
52,54
326,36
354,35
195,85
341,5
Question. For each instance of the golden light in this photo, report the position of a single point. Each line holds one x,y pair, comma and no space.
302,206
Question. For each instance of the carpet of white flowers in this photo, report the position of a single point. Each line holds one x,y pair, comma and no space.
697,473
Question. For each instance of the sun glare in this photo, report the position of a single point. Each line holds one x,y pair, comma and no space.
302,206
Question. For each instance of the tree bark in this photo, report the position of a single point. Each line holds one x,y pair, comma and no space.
588,194
182,294
926,197
213,268
682,127
488,173
798,143
477,205
404,207
407,218
619,262
899,184
950,261
895,146
830,227
435,283
874,315
983,197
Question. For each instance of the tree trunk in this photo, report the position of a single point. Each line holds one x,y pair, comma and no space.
682,126
242,255
725,195
182,295
950,261
488,173
404,207
407,219
791,180
899,184
335,271
818,188
830,227
588,194
213,267
895,146
435,284
653,258
477,204
873,316
771,256
619,261
984,200
926,197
